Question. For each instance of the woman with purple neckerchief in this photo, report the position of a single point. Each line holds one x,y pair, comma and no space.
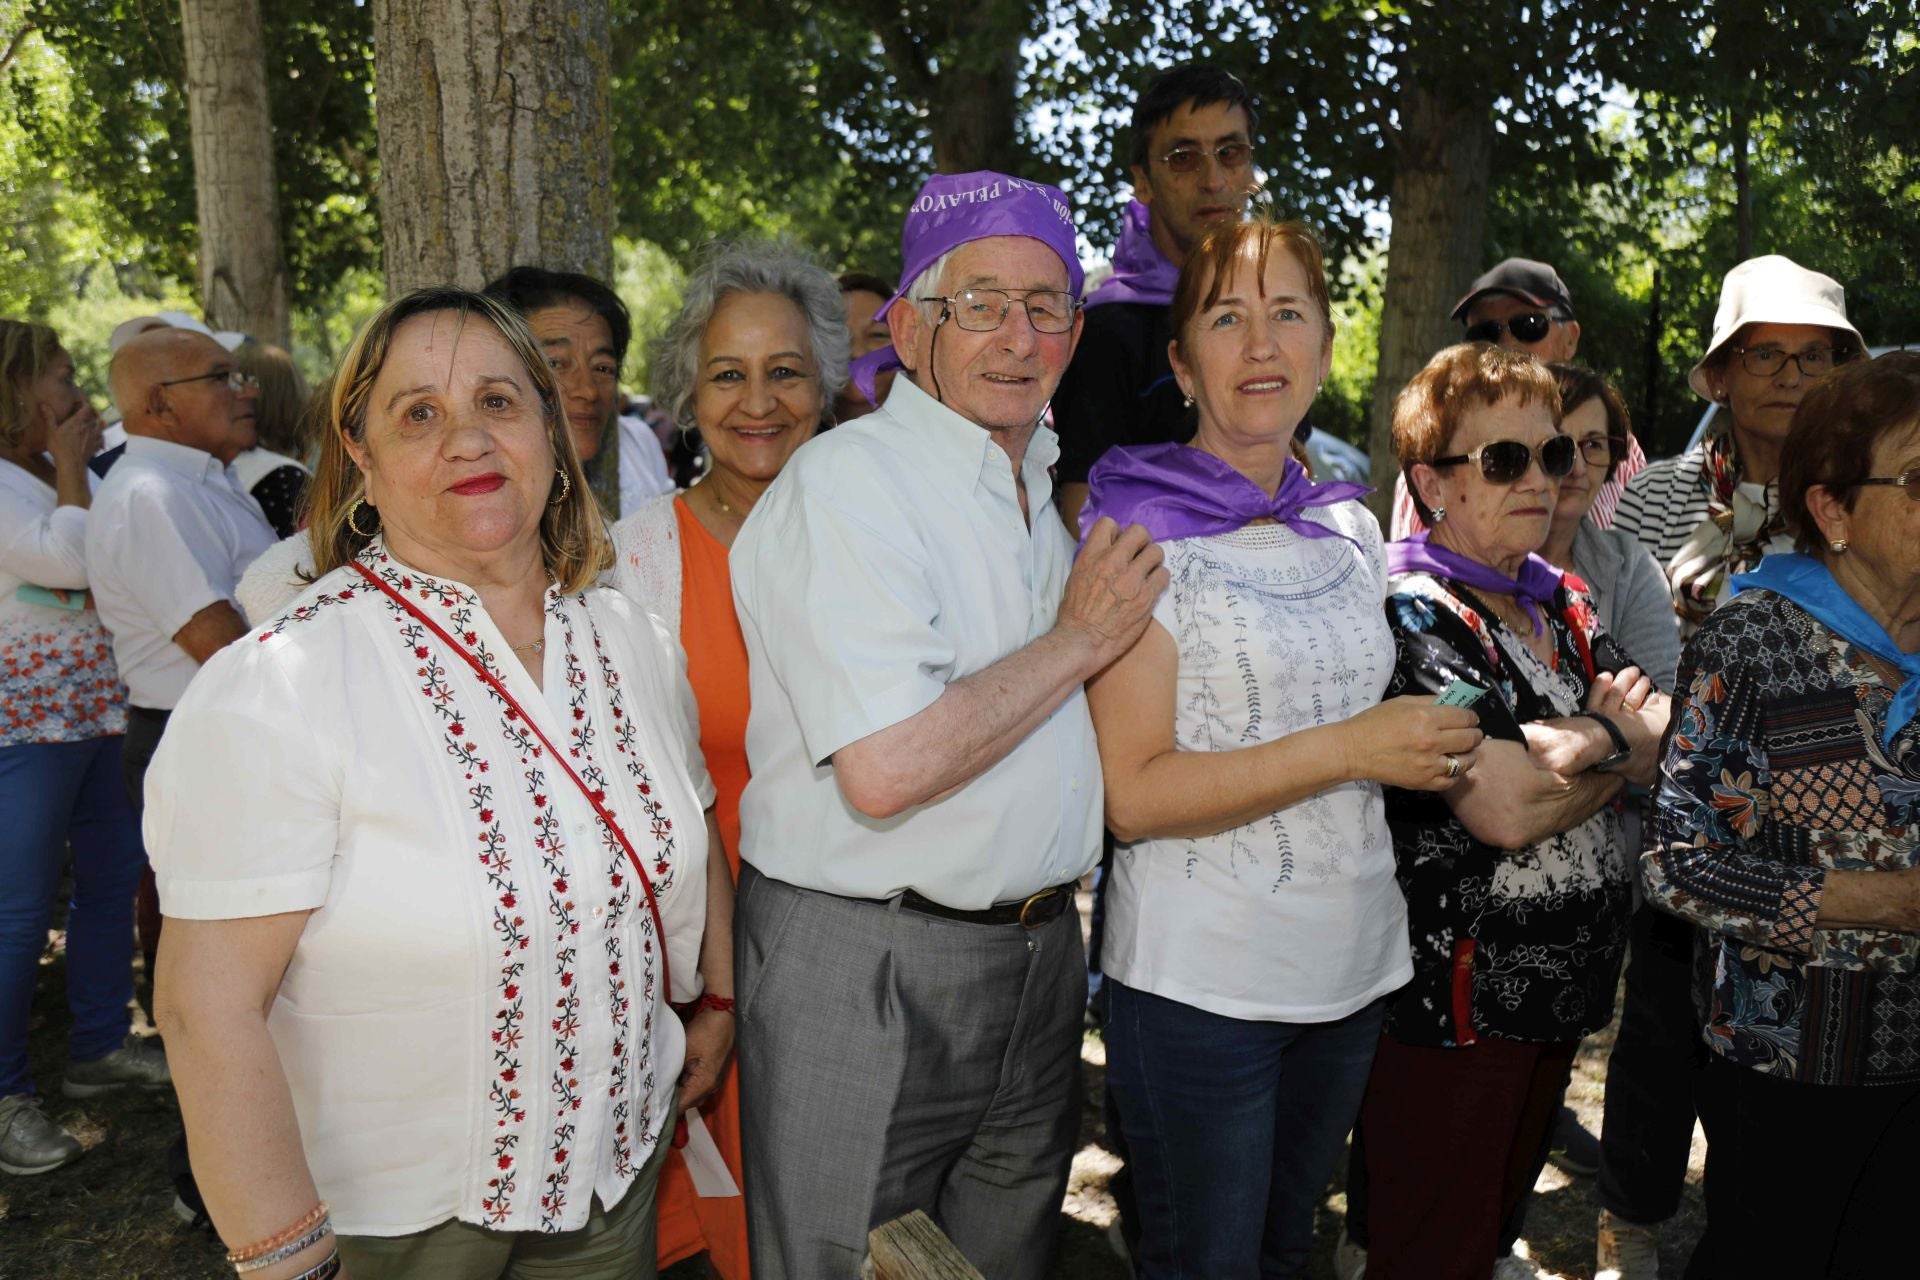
1254,928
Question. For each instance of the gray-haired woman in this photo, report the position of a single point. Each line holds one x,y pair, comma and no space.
753,361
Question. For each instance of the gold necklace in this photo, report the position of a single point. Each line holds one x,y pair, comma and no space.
538,646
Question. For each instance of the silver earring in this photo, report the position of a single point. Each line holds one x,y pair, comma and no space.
1439,514
566,487
1839,546
1186,402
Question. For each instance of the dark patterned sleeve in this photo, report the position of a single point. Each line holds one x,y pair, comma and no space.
1705,861
278,493
1433,648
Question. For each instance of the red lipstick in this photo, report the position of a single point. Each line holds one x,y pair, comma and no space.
480,484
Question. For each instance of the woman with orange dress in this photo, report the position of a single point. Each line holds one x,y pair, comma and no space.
752,362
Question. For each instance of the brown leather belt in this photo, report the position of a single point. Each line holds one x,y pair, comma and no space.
1030,913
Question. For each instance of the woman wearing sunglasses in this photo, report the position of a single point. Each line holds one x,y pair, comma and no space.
1786,829
1516,881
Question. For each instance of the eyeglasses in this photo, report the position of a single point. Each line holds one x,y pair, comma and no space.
1528,327
981,310
1231,155
1504,461
1600,451
1764,362
236,380
1908,480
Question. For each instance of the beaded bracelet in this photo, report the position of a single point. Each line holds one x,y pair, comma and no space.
321,1230
308,1221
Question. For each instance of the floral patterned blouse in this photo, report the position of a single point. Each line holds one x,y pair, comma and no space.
58,682
473,1024
1526,944
1773,774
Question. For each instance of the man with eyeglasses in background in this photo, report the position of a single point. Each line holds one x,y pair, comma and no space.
1192,169
171,529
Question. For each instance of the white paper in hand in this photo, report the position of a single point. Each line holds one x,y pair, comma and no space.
704,1163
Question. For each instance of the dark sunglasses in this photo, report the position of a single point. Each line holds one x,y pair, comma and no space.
1908,480
1504,461
1528,327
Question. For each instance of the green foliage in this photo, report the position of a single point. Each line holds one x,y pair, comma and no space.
816,119
1642,209
650,282
1341,408
120,129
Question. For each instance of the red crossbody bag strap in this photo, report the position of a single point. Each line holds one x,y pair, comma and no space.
493,682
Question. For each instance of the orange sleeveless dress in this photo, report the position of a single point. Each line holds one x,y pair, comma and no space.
717,670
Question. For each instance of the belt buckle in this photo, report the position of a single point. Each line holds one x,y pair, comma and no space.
1028,906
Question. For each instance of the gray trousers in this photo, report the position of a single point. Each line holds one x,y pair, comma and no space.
892,1061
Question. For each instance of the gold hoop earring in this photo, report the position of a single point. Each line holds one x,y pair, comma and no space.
352,524
1839,546
566,487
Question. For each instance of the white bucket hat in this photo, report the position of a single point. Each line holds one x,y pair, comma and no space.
1772,290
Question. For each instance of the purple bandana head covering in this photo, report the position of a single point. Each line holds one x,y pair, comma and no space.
1534,587
953,209
1177,491
1141,273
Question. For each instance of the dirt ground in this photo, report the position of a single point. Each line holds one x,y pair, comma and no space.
108,1214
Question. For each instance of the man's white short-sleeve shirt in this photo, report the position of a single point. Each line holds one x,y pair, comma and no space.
170,532
889,559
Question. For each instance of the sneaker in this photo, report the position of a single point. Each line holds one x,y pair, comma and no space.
1626,1251
1515,1267
1349,1259
29,1142
140,1061
1572,1149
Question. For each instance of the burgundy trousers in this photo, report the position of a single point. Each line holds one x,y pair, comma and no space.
1452,1136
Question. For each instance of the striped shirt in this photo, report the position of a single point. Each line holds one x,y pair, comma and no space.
1666,503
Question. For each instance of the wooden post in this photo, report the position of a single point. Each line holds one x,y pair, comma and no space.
912,1248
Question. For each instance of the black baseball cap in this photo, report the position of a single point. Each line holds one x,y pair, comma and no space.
1530,281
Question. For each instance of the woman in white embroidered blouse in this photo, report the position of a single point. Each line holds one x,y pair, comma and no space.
62,716
1254,927
419,839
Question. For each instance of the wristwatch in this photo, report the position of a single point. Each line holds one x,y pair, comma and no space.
1621,751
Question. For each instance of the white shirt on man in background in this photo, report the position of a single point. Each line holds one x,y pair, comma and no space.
888,559
169,533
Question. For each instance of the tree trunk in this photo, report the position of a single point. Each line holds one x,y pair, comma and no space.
1742,183
960,60
495,147
1442,154
243,273
974,104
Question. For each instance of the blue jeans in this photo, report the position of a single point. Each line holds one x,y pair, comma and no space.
1233,1128
53,794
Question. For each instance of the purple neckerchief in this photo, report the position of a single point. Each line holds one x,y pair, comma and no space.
1177,491
1535,587
1141,273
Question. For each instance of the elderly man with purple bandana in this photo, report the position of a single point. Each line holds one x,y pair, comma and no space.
926,791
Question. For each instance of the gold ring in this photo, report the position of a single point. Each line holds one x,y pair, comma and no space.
1453,766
